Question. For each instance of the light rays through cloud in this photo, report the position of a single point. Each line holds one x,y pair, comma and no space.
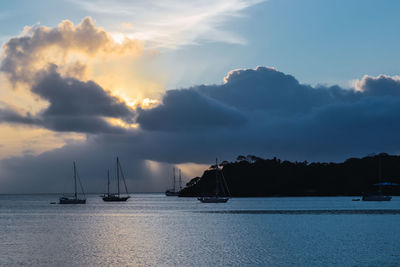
93,85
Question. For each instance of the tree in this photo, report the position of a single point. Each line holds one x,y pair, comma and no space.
224,163
252,158
241,158
193,181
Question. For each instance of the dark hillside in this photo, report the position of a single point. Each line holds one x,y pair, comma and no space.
252,176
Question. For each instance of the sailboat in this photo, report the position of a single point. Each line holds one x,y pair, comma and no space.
377,196
173,192
116,197
75,199
108,185
217,198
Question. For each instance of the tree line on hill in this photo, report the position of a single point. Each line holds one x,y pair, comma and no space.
251,176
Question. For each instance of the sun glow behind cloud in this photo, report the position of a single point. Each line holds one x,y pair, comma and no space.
75,53
121,57
131,79
121,123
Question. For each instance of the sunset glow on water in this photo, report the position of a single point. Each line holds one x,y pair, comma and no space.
151,229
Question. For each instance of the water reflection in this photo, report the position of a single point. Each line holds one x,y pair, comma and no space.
159,231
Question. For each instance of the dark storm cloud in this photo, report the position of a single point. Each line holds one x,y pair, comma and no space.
189,110
71,97
273,91
279,116
80,124
245,93
9,115
382,85
262,111
74,106
52,171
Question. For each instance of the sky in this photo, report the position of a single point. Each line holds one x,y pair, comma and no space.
178,83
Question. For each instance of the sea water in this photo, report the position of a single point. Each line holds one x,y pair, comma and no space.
155,230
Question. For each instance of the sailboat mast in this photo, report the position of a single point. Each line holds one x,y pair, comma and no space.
76,189
380,174
123,177
118,175
174,182
180,180
216,178
108,182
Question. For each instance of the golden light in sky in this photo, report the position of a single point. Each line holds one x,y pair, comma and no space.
85,52
25,140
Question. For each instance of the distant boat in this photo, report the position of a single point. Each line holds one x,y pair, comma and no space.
117,196
219,182
173,192
75,199
377,196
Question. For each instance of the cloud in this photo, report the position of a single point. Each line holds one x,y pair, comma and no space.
275,115
10,115
266,89
257,111
185,110
172,24
51,171
39,46
74,106
379,86
79,106
45,60
69,96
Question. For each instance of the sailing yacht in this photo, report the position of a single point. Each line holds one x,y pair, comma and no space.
116,197
173,191
377,196
75,199
219,177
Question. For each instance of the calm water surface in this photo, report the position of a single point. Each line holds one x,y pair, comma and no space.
151,229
